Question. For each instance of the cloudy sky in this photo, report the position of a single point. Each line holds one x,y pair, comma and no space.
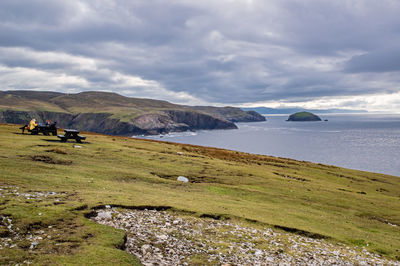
310,53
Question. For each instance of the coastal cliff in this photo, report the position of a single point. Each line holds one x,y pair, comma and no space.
232,114
114,114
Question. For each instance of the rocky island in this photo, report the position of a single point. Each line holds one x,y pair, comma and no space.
114,114
303,117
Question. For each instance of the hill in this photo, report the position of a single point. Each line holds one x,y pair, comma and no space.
303,117
111,113
50,189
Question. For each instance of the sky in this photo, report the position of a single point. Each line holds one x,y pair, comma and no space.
276,53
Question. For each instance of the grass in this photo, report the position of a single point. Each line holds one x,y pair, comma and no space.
354,207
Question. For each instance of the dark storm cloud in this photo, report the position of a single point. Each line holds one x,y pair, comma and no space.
211,51
385,60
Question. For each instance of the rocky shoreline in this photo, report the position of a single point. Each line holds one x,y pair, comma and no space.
168,238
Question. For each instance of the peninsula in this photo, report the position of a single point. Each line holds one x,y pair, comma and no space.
114,114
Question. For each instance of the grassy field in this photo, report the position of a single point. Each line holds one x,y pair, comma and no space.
353,207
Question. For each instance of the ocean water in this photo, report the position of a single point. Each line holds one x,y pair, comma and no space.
368,142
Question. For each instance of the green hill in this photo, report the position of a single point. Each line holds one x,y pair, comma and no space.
48,187
304,117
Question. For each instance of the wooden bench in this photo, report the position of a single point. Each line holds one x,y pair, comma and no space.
71,134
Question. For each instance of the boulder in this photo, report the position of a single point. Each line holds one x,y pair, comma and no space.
182,179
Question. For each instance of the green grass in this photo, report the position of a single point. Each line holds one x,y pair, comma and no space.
348,206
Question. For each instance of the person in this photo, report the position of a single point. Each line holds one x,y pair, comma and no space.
48,122
32,124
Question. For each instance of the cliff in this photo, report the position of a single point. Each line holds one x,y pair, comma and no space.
114,114
232,114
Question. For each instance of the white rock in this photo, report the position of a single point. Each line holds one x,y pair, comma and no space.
33,245
146,248
104,215
162,237
183,179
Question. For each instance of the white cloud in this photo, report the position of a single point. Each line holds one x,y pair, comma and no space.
12,78
220,52
389,103
57,77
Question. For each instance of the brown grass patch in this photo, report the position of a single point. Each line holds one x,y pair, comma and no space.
292,177
49,160
241,157
58,151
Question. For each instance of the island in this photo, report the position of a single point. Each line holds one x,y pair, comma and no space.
303,117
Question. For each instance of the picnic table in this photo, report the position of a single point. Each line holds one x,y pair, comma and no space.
45,129
71,134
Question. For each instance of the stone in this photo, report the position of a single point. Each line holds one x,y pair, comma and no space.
104,215
162,237
182,179
258,253
146,248
33,245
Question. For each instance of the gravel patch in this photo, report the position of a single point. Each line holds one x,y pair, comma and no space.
168,238
11,236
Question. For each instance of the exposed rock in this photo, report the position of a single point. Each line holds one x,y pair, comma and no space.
167,238
104,215
197,120
232,114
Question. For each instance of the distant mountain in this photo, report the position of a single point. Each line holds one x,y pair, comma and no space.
267,110
114,114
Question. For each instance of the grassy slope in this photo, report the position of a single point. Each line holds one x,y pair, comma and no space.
121,107
347,205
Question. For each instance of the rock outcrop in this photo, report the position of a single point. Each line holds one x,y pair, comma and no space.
232,114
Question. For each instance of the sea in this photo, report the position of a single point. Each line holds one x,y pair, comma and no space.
368,142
